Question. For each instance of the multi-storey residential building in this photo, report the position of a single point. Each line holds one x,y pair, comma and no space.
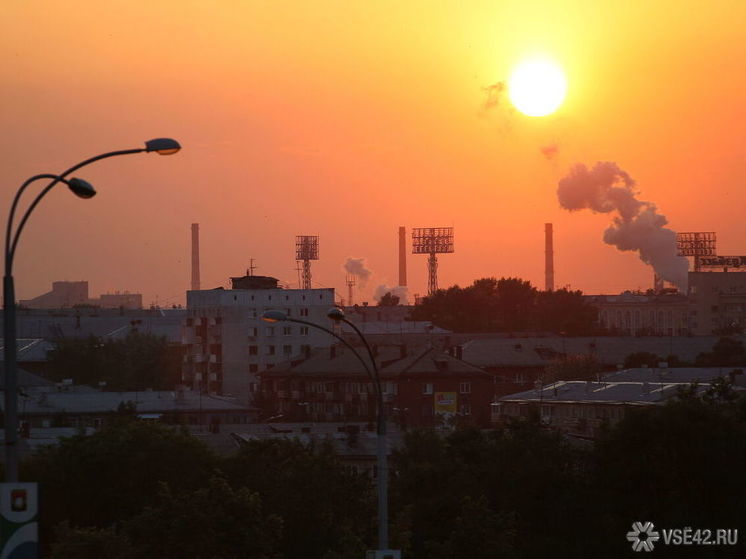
227,343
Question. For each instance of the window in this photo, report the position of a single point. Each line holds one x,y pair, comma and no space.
304,330
253,350
427,388
269,350
465,409
269,331
304,312
464,387
287,350
253,368
287,330
253,331
253,387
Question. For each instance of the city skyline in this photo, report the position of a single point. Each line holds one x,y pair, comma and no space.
349,121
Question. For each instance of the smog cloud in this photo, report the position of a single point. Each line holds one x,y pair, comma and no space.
399,291
637,225
357,268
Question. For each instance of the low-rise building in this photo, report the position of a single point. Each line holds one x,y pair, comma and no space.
421,387
582,408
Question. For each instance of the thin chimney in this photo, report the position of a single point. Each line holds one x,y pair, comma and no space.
548,257
402,257
195,256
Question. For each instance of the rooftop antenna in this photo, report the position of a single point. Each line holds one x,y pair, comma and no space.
251,268
432,241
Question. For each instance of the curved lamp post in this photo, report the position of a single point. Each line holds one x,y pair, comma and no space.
83,189
338,315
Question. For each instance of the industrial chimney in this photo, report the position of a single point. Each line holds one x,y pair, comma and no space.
548,257
195,256
402,257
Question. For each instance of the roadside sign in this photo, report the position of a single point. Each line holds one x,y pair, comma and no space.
19,528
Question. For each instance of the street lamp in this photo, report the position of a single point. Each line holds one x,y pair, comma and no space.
83,189
338,315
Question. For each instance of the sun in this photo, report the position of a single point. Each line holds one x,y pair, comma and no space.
537,87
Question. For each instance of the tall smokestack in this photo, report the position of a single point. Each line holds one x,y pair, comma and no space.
402,257
548,257
195,256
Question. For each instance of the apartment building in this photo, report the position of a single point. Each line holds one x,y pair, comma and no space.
227,342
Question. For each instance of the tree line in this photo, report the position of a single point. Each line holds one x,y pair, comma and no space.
508,305
521,491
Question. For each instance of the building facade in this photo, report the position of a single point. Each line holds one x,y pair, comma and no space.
227,342
717,301
635,314
422,387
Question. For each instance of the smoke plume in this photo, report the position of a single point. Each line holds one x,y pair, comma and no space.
357,268
637,225
399,291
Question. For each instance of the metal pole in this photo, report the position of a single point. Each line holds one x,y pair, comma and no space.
9,310
11,380
381,449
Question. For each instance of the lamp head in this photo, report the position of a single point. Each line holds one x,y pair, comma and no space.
274,316
163,146
81,188
336,314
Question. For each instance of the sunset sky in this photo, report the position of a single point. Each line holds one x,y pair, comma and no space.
349,119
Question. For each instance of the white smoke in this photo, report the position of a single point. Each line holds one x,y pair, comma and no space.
357,267
637,226
398,291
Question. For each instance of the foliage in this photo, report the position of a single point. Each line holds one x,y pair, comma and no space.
230,524
96,480
507,304
388,300
89,543
322,505
726,352
136,362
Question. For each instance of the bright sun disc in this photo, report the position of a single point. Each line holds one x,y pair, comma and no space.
537,87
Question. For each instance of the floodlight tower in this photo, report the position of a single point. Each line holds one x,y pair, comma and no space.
306,249
432,241
696,245
350,281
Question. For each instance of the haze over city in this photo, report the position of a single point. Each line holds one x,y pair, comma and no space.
347,121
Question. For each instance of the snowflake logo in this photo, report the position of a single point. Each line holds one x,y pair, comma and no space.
643,536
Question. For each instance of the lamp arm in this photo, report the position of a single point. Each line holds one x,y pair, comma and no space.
370,354
11,250
13,206
341,339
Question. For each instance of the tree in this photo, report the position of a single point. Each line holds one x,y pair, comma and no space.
321,504
217,521
96,480
726,352
388,300
507,304
136,362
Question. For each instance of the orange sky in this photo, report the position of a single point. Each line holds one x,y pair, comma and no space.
346,121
